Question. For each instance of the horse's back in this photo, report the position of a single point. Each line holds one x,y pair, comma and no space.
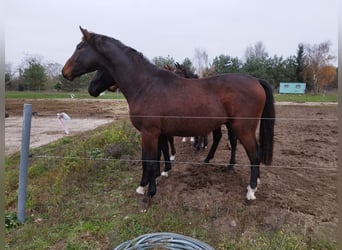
236,90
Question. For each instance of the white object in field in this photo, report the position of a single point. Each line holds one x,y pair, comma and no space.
63,116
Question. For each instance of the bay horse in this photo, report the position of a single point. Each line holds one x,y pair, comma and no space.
160,102
103,81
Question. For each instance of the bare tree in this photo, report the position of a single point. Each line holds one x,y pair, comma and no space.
201,61
258,51
53,69
317,56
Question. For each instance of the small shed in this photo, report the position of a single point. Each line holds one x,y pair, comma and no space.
292,88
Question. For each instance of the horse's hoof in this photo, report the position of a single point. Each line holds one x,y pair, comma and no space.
165,174
145,204
250,193
231,171
228,170
140,190
250,202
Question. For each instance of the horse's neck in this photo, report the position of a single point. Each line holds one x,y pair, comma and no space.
130,81
130,76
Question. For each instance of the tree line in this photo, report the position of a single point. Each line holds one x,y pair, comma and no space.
311,64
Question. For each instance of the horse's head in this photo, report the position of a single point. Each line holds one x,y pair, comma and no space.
84,59
101,81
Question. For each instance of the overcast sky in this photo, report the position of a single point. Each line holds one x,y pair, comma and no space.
160,28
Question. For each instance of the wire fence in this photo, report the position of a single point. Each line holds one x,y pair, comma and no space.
321,118
126,115
118,116
333,168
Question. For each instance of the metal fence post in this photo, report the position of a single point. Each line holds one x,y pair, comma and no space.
24,156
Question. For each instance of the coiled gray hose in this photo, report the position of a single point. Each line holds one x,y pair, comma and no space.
164,241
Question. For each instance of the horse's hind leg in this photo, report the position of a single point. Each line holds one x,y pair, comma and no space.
173,148
163,146
217,134
248,140
205,141
197,143
233,144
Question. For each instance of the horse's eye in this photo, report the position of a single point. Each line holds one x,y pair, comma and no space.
79,46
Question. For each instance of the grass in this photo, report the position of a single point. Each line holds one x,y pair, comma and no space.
85,95
305,98
80,197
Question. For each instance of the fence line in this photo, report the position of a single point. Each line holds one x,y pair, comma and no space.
126,115
335,168
211,117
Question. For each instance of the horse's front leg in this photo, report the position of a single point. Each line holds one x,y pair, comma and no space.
144,178
151,165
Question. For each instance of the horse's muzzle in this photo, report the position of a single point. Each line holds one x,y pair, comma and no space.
67,75
67,72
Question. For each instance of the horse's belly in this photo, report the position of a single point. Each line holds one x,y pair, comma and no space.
190,126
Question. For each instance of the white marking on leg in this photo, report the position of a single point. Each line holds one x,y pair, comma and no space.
165,174
251,193
184,139
192,139
140,190
173,158
258,181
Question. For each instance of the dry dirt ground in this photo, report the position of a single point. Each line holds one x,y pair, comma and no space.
299,188
45,128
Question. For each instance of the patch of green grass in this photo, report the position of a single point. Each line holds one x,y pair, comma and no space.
305,98
11,220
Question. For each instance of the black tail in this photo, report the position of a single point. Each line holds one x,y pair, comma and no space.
266,133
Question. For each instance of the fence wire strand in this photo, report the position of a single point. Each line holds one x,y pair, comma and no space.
115,116
335,168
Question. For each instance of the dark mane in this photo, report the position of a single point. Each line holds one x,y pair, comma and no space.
182,70
99,41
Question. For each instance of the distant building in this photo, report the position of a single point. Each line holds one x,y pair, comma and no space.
292,88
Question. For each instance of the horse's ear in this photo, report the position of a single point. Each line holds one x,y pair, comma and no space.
85,33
